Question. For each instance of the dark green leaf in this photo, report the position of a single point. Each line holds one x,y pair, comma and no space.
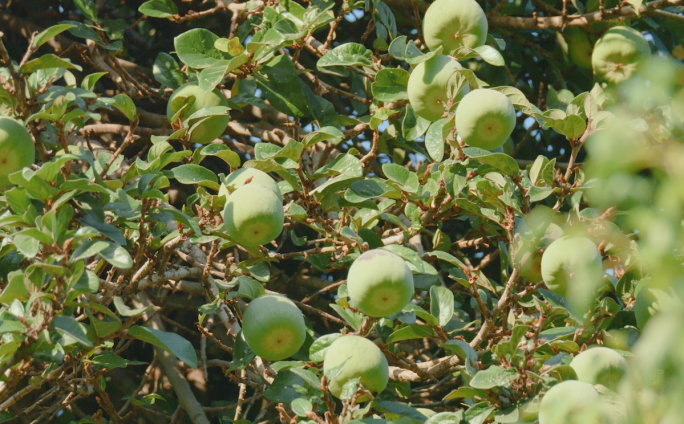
170,342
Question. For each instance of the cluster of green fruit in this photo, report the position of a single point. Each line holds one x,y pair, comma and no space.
203,130
380,285
16,148
614,57
485,118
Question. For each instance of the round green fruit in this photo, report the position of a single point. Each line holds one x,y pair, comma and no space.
580,46
427,86
454,23
651,301
380,283
16,148
485,119
532,243
567,259
253,215
617,54
600,365
362,359
213,127
571,402
273,327
239,177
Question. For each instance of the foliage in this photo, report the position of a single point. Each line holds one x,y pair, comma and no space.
122,292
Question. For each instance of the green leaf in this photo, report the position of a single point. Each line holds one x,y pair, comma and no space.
281,86
441,304
320,346
301,407
88,249
350,54
212,75
26,244
125,311
461,349
196,48
117,256
233,46
465,392
167,71
69,326
249,288
88,8
195,174
158,8
125,105
49,33
413,125
435,136
414,331
354,319
330,134
487,53
110,361
500,161
390,85
171,342
46,62
223,152
493,376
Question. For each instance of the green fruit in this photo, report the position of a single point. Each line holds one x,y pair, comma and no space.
617,54
571,402
362,359
531,243
16,148
380,283
253,215
580,46
213,127
427,86
273,327
454,23
238,178
651,301
600,365
485,119
570,259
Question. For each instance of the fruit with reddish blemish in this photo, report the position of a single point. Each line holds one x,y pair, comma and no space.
273,327
380,283
600,365
568,260
208,130
427,86
238,178
16,148
454,23
361,359
617,54
571,402
253,215
485,118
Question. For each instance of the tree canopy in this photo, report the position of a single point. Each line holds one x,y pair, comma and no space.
333,212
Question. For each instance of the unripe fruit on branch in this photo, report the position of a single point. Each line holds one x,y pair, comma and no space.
485,118
568,259
571,402
651,301
210,129
428,83
580,46
600,365
380,283
454,23
528,244
16,148
362,359
237,179
617,54
253,215
273,327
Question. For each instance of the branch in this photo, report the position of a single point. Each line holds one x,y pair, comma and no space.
557,22
180,385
